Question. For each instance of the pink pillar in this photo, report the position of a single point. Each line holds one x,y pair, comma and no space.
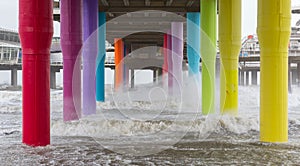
165,52
177,55
170,63
71,43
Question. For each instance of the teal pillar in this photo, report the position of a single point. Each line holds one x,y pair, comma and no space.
100,73
193,43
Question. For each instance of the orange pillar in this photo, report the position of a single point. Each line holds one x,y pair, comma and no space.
119,54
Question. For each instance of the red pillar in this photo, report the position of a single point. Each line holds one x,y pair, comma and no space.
36,30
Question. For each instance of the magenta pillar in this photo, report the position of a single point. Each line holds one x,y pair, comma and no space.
165,52
170,63
71,43
90,51
177,55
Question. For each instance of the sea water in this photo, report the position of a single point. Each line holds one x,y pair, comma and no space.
145,126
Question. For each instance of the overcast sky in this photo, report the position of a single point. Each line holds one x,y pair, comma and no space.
9,16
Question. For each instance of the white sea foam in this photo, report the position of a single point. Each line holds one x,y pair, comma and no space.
143,115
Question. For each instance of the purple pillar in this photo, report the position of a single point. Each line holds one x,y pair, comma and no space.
71,43
170,63
126,69
90,36
177,55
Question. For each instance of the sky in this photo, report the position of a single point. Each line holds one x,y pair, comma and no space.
9,16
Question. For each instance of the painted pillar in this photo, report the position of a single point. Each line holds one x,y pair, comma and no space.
128,50
165,65
274,28
71,44
119,67
36,31
100,73
170,64
193,43
126,69
90,49
230,45
177,55
208,53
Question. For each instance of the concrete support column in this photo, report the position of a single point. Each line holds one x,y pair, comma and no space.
230,45
290,78
208,47
90,52
53,79
71,44
177,56
126,69
36,31
170,64
254,77
154,75
14,77
298,73
242,77
160,75
165,65
119,64
132,78
193,44
100,67
274,29
247,78
294,77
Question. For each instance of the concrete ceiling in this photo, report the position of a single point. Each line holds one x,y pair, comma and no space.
142,21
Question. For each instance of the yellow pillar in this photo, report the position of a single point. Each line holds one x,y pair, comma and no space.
230,45
274,21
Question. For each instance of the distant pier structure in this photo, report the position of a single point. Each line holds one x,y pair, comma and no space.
11,56
249,60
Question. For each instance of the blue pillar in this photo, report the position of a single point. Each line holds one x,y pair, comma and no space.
100,74
193,43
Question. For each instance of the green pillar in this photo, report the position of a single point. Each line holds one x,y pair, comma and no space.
208,53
